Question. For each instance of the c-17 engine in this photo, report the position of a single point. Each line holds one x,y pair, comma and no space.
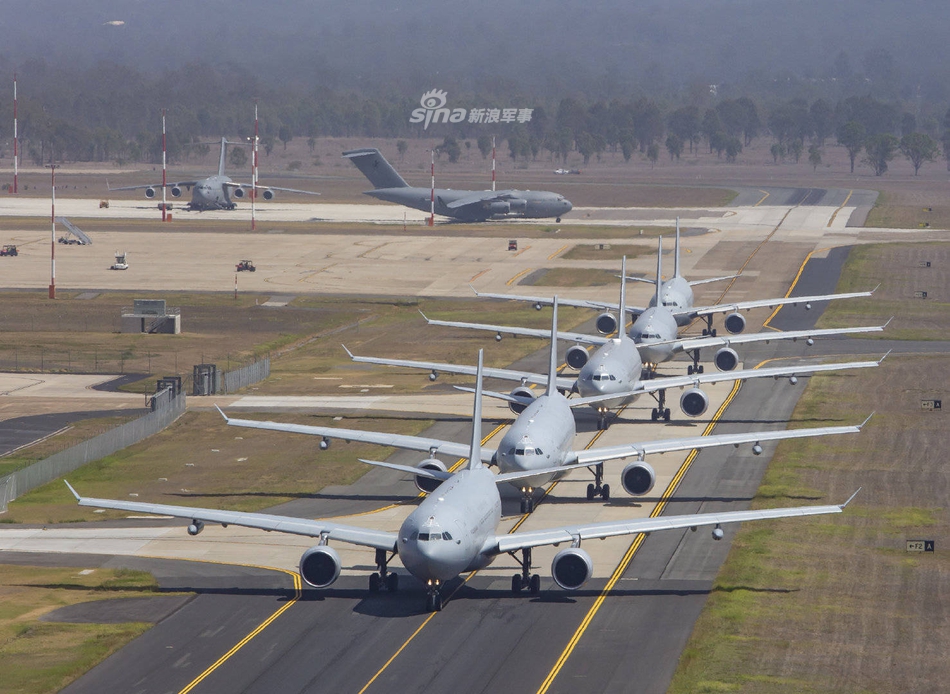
498,207
176,192
320,566
268,194
150,193
237,192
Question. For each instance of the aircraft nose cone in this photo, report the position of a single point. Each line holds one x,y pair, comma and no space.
568,206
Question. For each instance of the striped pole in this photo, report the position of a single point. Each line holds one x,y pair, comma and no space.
253,178
493,163
52,251
164,171
16,142
432,199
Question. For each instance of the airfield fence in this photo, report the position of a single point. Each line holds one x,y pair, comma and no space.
233,381
167,410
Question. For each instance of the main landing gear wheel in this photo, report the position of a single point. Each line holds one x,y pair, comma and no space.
525,580
597,488
690,370
383,578
658,414
557,220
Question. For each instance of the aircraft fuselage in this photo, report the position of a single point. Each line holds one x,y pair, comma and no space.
211,193
528,204
656,324
614,367
676,295
541,437
451,529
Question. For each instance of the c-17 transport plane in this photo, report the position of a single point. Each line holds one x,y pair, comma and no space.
453,530
214,192
542,437
462,205
615,369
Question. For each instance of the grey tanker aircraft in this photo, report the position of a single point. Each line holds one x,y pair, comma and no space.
462,205
613,375
655,333
677,295
214,192
541,437
454,530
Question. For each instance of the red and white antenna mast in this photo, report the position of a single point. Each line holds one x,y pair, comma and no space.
254,169
164,171
493,163
52,251
16,142
432,199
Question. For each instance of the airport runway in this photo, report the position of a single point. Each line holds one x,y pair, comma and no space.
486,639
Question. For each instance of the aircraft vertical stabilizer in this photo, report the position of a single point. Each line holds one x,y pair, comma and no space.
676,253
552,362
659,270
475,454
224,151
622,313
374,166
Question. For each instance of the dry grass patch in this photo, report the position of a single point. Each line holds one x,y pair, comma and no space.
608,251
38,657
901,270
201,461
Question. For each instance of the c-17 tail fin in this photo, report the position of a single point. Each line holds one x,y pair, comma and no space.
374,166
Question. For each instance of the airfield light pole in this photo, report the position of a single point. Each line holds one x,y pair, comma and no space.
16,142
52,248
493,163
432,198
253,173
164,171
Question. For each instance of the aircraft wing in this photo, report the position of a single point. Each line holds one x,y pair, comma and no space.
688,344
248,186
580,338
480,198
570,534
411,443
263,521
180,184
770,303
641,450
548,301
435,367
655,384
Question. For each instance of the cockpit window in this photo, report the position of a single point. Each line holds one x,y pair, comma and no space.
446,536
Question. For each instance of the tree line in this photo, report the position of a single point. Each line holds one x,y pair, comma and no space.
113,113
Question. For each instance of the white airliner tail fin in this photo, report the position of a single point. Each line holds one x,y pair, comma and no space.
475,453
552,360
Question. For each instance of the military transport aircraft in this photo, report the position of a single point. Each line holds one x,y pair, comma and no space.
616,369
542,437
677,295
454,530
655,333
463,205
214,192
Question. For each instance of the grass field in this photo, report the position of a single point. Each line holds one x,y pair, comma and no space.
837,604
38,657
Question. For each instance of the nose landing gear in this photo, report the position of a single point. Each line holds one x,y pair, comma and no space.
433,595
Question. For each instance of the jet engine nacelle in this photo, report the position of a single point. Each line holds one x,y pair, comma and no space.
637,478
238,193
734,323
498,207
726,359
521,392
606,323
427,484
150,193
176,192
576,357
268,194
694,402
320,566
571,568
195,527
